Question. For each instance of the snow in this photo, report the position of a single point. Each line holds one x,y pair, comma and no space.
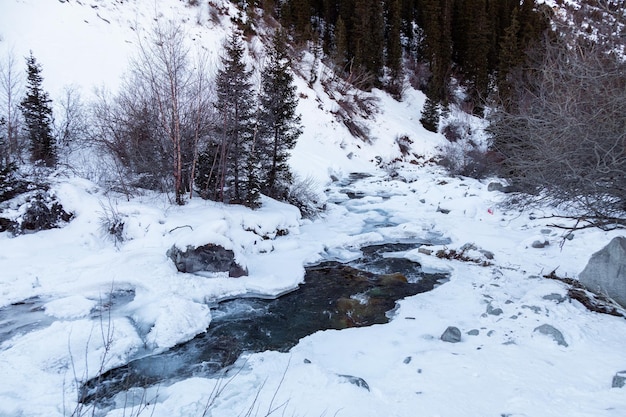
76,271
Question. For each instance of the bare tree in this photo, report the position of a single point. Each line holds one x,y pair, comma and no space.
11,92
71,123
562,133
153,126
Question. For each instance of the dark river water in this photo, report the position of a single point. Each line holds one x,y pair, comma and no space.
333,296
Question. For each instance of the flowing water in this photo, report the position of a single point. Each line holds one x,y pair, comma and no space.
334,296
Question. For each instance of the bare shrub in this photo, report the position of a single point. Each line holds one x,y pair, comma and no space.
404,144
112,223
563,131
467,159
304,195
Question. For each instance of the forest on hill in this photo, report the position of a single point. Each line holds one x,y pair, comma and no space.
547,78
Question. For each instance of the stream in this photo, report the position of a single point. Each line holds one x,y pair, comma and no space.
334,296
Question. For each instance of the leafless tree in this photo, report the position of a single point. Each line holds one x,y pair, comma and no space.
154,124
71,123
11,92
562,133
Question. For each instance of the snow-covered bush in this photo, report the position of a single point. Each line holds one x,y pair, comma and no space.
304,195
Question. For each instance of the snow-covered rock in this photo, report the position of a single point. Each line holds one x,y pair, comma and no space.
605,273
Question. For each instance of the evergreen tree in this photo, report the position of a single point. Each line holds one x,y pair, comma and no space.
430,115
437,24
341,44
37,111
393,58
368,37
510,54
279,123
226,162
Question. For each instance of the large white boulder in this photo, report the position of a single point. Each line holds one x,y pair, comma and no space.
605,274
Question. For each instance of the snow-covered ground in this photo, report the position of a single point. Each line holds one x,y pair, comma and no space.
502,368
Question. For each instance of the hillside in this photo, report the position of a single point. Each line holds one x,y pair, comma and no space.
79,300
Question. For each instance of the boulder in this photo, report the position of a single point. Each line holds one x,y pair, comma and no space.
451,335
605,273
208,258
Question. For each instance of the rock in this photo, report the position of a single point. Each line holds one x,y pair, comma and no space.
554,297
208,258
474,332
40,210
553,332
8,225
451,335
424,251
393,279
495,186
540,244
355,380
494,311
605,273
619,380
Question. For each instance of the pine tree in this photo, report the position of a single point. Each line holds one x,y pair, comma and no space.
279,123
228,157
430,115
510,54
37,111
341,44
394,48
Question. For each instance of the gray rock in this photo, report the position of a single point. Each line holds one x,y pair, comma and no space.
494,311
451,335
424,251
538,244
619,380
473,332
605,273
208,258
495,186
554,297
534,309
553,332
355,380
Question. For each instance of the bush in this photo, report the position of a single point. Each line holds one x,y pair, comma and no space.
303,195
562,130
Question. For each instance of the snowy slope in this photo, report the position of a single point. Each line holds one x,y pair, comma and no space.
506,369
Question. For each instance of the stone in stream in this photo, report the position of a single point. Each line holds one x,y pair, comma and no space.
207,258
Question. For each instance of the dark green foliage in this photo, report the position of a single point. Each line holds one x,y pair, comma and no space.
430,115
227,168
463,42
248,153
393,58
37,111
279,125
